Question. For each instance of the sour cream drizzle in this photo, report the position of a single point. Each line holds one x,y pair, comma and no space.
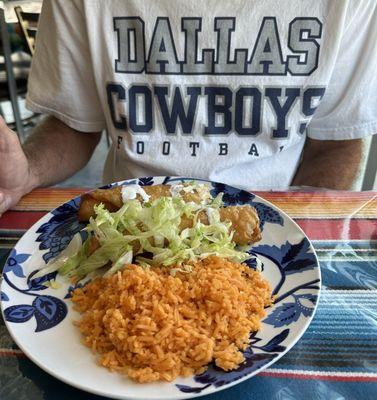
130,192
177,188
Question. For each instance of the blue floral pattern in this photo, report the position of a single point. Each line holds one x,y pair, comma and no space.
253,263
291,311
56,234
147,181
289,258
267,214
14,262
3,297
231,195
19,313
71,289
48,311
296,287
40,283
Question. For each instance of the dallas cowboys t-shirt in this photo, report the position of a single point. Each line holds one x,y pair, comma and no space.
216,89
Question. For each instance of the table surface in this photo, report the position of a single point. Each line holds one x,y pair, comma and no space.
337,356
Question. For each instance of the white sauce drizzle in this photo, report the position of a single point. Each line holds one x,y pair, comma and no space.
130,192
201,189
177,188
211,215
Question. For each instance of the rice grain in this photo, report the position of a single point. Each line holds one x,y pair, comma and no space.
152,326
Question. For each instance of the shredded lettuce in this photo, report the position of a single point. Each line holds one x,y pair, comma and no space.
67,256
150,233
124,259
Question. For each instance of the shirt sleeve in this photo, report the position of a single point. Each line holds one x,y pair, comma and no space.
348,109
61,81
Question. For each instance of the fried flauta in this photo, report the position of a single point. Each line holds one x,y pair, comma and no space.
112,198
87,204
245,223
244,219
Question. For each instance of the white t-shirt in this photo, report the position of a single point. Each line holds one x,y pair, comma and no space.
216,89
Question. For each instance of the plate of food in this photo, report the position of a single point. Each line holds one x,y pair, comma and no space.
160,288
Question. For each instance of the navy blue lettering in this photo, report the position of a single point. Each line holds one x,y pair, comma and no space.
166,148
282,110
223,149
178,112
253,150
255,118
114,89
140,147
193,146
307,100
216,108
146,109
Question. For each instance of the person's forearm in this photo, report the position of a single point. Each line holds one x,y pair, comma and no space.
329,164
56,151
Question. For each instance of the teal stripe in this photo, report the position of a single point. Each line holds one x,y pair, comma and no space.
337,346
351,258
324,319
353,244
344,352
355,323
331,357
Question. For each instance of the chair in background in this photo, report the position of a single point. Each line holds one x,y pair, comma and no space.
20,65
28,23
14,67
8,66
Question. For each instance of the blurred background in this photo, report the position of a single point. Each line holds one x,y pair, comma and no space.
19,25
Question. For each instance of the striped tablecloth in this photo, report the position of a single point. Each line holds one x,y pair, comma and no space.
337,356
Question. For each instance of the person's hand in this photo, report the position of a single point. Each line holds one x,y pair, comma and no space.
15,178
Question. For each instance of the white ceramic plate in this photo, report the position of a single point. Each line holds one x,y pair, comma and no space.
39,318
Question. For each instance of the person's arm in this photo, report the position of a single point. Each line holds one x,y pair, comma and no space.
332,164
52,153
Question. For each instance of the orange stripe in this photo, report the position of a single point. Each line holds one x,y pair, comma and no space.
310,205
12,353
